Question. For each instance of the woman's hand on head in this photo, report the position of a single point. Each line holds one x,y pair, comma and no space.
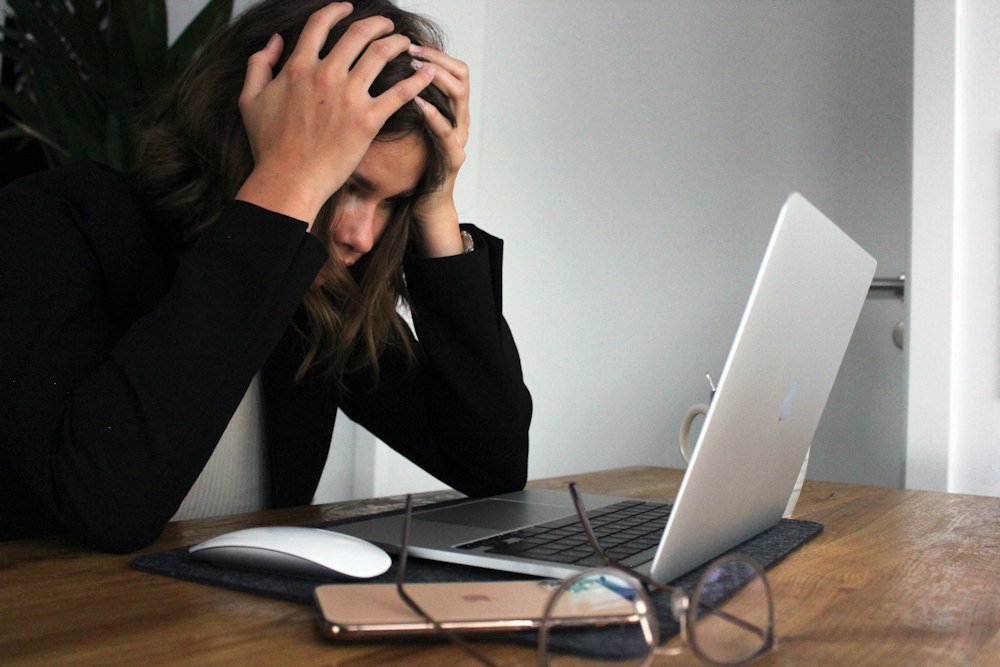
435,212
310,125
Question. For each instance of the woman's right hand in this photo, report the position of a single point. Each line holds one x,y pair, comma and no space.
310,126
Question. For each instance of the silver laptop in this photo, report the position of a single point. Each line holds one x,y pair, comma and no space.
788,348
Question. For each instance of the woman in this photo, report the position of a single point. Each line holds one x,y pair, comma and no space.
296,187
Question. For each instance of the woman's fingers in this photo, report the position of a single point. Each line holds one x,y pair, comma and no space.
453,66
403,91
444,80
452,139
452,78
435,212
439,125
317,28
364,43
260,68
375,57
354,42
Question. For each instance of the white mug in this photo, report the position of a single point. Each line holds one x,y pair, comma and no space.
684,437
687,450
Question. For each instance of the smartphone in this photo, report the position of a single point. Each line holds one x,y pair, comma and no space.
372,611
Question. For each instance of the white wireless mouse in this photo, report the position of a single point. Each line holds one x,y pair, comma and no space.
295,550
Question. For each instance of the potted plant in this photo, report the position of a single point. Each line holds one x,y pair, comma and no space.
87,73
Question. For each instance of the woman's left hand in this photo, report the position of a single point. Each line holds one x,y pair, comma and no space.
435,212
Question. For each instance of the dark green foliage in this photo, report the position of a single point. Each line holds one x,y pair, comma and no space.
91,72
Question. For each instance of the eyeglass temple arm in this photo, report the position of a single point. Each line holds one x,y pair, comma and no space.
404,546
649,581
401,577
581,512
735,620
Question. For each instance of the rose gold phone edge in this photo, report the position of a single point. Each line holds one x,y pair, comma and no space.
417,627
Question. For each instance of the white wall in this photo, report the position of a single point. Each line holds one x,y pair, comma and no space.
955,382
932,257
974,465
637,160
634,155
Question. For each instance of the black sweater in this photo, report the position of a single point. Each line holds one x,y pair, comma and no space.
121,365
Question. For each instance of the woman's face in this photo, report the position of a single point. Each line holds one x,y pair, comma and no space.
387,174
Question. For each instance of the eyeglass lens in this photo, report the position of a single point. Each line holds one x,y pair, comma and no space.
728,620
731,615
599,617
724,627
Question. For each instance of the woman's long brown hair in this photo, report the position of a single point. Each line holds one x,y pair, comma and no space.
196,156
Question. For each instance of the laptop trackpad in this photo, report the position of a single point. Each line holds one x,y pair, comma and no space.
496,514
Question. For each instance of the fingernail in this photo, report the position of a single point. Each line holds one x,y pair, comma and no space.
271,41
417,64
420,101
414,49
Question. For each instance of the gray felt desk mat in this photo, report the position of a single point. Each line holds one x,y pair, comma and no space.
767,548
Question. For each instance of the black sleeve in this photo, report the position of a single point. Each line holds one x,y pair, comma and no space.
109,425
462,413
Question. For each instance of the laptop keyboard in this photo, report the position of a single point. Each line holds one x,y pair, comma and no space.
628,531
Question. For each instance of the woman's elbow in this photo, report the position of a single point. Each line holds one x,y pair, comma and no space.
503,472
116,530
121,542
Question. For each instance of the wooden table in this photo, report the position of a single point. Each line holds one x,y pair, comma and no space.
897,578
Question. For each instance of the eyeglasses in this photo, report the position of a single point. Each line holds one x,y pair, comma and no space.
727,620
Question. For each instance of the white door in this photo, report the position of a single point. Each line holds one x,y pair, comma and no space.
862,435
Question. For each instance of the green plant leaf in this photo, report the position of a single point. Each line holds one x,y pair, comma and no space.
55,81
214,15
10,51
113,148
81,28
65,110
19,106
122,67
46,141
14,142
10,133
88,87
139,27
9,32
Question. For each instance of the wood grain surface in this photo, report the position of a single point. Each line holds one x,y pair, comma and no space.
897,578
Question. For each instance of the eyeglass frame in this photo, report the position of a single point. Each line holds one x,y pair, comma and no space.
680,602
